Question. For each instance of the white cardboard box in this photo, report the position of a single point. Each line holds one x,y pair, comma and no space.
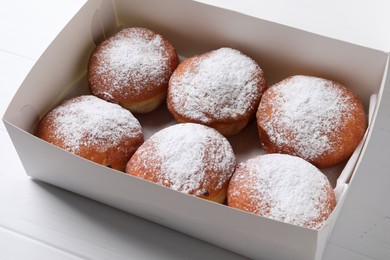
193,28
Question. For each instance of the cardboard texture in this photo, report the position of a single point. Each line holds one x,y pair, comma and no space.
280,50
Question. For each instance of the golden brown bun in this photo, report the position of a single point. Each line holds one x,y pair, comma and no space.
282,187
316,119
147,105
94,129
220,89
132,68
190,158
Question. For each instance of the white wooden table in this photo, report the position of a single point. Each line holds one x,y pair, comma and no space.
40,221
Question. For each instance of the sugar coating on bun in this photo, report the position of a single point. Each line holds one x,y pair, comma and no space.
132,66
189,158
316,119
284,188
223,86
94,129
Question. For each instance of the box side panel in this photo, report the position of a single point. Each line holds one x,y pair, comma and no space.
244,233
232,235
363,225
280,50
62,64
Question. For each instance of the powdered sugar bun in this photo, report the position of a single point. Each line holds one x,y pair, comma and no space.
190,158
92,128
220,89
316,119
132,68
282,187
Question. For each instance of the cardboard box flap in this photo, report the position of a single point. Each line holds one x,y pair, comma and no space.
56,72
280,50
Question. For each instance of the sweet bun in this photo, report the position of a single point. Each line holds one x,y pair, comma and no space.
190,158
132,68
221,89
284,188
94,129
316,119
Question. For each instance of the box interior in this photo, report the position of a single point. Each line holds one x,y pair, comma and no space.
280,51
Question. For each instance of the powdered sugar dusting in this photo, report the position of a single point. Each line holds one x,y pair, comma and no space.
306,111
88,120
286,188
185,153
132,54
223,84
